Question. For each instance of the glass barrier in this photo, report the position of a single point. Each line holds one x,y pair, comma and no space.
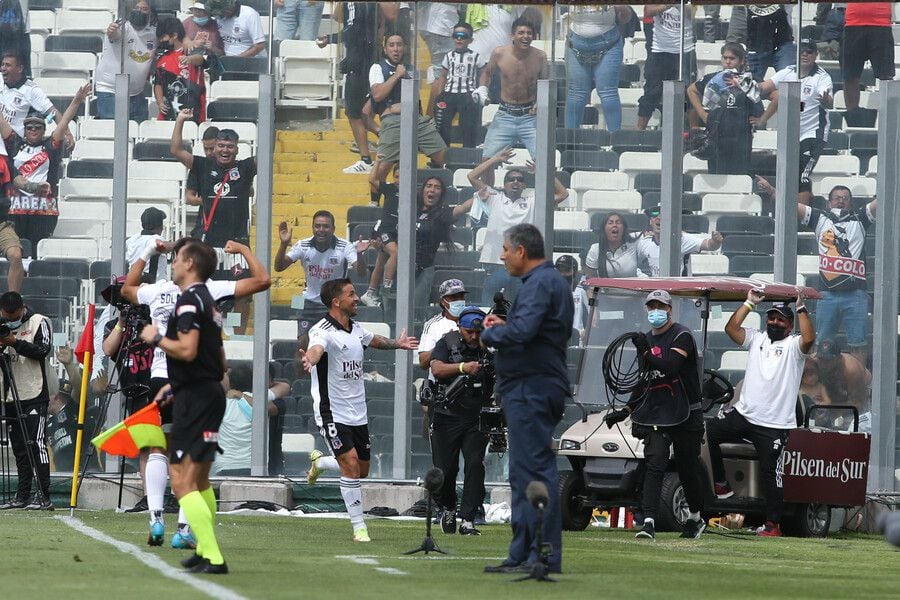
335,201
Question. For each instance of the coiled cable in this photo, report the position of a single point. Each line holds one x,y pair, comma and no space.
623,379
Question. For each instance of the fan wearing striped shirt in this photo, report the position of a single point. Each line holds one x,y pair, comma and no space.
452,90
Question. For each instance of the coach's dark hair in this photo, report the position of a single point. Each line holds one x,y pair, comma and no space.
527,236
170,26
324,213
466,26
210,133
522,22
11,302
840,188
332,289
203,256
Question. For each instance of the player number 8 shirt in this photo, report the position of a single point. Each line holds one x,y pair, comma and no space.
338,390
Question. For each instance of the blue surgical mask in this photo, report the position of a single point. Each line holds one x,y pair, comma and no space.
657,317
455,307
201,21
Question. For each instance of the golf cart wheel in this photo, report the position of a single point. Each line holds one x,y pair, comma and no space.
809,520
575,516
673,506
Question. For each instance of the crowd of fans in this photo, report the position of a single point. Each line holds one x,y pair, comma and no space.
479,55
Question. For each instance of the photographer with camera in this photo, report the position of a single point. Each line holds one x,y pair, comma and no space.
459,365
26,342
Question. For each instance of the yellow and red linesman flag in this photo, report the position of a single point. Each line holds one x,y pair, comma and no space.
143,429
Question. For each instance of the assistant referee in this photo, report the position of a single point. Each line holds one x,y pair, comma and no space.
196,362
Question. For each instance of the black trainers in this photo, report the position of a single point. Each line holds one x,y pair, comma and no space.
14,503
39,504
204,566
468,528
647,532
448,521
191,561
508,567
141,506
693,529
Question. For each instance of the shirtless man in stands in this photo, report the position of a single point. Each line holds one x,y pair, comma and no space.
519,67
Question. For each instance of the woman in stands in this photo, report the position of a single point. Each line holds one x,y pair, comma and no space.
594,54
616,246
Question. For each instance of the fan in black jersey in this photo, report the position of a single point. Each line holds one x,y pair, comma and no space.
179,80
335,360
196,361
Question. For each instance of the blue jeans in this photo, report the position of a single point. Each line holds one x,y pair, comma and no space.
498,278
851,308
507,130
137,107
604,76
298,20
532,410
779,59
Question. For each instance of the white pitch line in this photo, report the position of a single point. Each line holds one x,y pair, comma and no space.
213,590
370,560
390,571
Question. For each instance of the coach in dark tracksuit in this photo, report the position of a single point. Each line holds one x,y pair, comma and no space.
532,382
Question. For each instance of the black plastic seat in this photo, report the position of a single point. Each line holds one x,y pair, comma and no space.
462,158
739,224
59,267
759,245
90,168
584,160
155,150
633,140
73,43
233,110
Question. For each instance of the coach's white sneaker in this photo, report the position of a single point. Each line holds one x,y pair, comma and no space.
315,471
361,535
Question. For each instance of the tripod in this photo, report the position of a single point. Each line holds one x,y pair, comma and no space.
9,379
433,481
538,497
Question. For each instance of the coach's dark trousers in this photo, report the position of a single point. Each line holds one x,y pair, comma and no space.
532,409
34,412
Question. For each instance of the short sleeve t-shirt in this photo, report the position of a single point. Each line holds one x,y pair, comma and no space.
842,239
338,390
772,380
16,102
622,262
322,266
161,297
196,310
241,31
435,328
36,164
140,48
667,30
183,86
504,213
462,70
229,220
813,116
648,253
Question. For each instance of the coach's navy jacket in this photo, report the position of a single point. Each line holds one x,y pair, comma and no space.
533,342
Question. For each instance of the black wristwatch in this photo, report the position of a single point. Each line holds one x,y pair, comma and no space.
156,340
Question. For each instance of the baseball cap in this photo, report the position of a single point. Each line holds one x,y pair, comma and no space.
659,296
470,315
152,218
110,292
451,287
653,211
566,262
783,309
808,44
199,6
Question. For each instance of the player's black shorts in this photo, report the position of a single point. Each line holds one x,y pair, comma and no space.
344,438
356,89
147,396
196,415
873,43
810,150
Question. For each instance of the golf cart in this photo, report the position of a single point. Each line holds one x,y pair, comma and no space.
822,468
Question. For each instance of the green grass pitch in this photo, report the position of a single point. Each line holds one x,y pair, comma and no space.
278,557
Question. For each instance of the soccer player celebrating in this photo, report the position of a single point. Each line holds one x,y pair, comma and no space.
196,361
335,361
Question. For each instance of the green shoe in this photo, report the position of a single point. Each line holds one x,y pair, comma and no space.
314,470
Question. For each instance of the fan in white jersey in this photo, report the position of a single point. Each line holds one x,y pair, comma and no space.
161,298
335,361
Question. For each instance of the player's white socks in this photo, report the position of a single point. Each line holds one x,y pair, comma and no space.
182,521
329,463
351,490
156,476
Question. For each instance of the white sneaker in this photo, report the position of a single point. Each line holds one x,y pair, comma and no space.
360,167
370,299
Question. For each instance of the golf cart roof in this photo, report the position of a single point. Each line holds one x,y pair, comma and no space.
716,288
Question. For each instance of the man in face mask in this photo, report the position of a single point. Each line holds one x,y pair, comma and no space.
766,410
667,413
452,301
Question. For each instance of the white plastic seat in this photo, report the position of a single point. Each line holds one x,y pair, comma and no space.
307,70
102,129
382,329
154,190
238,349
837,165
637,162
574,220
731,204
859,186
58,247
718,323
83,21
706,183
770,277
487,114
102,149
282,329
709,264
68,64
234,90
583,181
61,86
162,130
153,169
41,22
88,189
808,265
734,360
109,5
765,139
621,200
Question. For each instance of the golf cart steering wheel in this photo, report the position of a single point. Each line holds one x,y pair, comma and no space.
716,389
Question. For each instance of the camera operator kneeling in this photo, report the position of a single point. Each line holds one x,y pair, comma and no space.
457,364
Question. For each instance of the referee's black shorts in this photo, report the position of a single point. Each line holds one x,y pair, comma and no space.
196,416
344,438
873,43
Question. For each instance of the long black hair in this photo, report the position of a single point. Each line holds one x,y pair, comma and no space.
603,243
444,236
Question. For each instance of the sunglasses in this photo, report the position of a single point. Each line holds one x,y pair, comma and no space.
513,179
807,51
460,35
33,127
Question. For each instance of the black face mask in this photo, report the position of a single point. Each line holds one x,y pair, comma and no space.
138,19
776,333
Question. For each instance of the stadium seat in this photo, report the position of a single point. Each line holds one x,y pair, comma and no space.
233,90
633,140
233,110
709,264
576,220
282,330
690,202
609,200
99,149
60,267
731,203
706,183
748,244
695,224
639,162
90,168
462,158
581,139
162,130
859,186
246,131
83,21
165,171
67,64
157,150
70,188
243,68
734,359
68,247
382,329
103,129
729,224
74,43
445,175
238,350
307,71
41,16
840,165
60,86
743,265
652,181
583,160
